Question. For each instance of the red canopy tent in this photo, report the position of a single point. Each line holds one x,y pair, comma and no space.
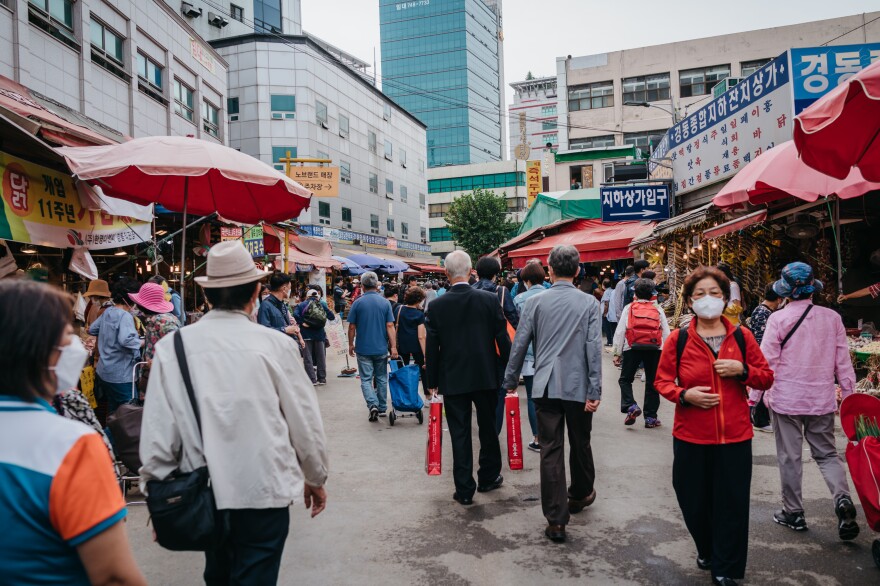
595,240
297,250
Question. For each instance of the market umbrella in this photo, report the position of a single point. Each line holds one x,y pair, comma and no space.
348,265
370,263
779,173
190,175
841,130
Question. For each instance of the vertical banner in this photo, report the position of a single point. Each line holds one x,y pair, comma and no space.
253,241
587,176
514,432
434,448
336,337
533,180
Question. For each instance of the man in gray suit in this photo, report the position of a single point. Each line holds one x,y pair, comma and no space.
566,328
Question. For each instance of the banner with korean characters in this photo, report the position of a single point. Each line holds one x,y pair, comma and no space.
42,206
722,137
818,70
321,181
533,181
253,241
635,202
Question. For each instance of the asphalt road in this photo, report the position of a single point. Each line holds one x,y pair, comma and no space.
388,523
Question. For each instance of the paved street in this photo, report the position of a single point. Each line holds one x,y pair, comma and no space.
389,523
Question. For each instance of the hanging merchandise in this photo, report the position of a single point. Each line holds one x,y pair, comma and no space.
79,307
81,263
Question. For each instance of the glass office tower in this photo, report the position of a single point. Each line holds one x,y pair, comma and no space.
442,62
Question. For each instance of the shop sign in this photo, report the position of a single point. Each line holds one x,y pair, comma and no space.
635,202
201,54
818,70
725,135
349,237
230,233
42,206
321,181
391,243
533,180
253,241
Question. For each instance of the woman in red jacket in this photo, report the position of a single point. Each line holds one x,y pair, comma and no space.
712,435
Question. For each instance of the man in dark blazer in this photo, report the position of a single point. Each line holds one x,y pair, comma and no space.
466,333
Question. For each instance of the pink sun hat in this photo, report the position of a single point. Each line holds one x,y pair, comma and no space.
152,297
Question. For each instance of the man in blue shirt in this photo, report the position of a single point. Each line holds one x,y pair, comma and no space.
274,313
370,332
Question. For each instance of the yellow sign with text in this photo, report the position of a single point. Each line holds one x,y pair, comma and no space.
533,180
322,181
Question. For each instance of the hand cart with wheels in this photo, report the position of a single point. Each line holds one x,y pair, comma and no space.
403,384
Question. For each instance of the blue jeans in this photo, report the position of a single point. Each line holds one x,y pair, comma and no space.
533,417
369,367
117,394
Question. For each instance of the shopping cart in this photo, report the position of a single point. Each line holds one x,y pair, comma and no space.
125,431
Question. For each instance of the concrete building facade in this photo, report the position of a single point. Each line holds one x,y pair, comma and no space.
671,78
136,68
533,115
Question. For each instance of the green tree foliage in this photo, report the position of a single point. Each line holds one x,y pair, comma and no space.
478,222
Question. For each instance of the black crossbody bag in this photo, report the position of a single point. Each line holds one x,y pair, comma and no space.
182,506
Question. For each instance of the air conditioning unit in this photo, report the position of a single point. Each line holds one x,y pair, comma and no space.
217,20
190,11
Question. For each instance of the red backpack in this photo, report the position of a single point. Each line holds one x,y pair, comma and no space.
643,330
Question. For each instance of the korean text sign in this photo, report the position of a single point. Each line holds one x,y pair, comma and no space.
42,206
818,70
534,181
253,241
635,202
321,181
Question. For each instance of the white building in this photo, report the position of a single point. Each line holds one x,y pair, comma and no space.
533,115
446,184
126,68
671,78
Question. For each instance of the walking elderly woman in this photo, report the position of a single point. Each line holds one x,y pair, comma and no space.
532,277
713,361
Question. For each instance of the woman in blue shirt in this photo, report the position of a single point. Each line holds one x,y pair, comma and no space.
409,321
531,276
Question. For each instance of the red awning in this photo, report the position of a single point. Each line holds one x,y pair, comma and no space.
272,241
735,225
596,241
437,269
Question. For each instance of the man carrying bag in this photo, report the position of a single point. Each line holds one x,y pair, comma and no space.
252,425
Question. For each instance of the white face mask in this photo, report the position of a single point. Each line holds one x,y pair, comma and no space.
708,307
70,365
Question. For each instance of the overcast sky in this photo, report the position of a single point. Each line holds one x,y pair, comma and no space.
538,31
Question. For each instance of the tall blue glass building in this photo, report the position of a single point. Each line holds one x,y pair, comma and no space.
442,60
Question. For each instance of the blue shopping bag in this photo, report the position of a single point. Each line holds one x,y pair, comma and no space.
403,382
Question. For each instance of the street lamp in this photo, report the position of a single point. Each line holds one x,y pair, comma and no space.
673,112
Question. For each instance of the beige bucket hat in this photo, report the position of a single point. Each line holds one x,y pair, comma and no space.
230,264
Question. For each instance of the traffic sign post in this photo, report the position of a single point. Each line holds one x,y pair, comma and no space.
635,202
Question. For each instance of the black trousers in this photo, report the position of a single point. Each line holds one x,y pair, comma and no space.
609,327
252,553
315,358
712,483
419,359
553,415
458,416
632,359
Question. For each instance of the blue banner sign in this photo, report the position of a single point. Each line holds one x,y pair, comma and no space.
635,202
818,70
348,237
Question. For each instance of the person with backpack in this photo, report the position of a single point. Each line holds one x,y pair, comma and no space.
312,315
704,369
807,347
640,334
629,289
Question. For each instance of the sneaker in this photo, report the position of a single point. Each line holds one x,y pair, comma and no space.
374,413
765,429
632,414
642,375
795,521
320,383
383,414
535,447
652,422
847,527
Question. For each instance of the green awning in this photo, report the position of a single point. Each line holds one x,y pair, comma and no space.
562,205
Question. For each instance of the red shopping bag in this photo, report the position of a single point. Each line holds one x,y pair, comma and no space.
514,432
863,456
434,449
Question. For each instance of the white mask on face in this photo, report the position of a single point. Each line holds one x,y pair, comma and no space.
708,307
70,365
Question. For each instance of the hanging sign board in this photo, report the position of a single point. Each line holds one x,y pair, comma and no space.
253,241
322,181
635,202
533,180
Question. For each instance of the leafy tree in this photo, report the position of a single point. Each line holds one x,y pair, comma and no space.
529,76
478,222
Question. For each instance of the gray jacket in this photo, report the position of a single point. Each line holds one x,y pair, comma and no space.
565,326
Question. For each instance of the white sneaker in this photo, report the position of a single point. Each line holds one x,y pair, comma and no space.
766,429
643,376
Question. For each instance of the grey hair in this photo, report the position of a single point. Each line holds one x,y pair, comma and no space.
564,260
369,280
458,264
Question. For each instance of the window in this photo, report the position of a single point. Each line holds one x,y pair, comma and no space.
421,201
403,194
424,233
647,88
438,210
699,82
321,114
517,204
402,158
374,223
548,110
279,153
608,172
107,48
374,183
591,96
592,142
404,230
283,106
548,125
389,151
747,68
346,214
323,155
56,18
236,12
551,138
343,126
386,112
345,172
440,235
389,187
644,140
232,108
323,209
491,181
183,100
210,118
389,224
150,78
267,16
421,166
371,141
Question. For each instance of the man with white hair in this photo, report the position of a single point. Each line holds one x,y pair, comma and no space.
370,332
467,346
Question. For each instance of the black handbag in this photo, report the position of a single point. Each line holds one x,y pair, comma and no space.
182,506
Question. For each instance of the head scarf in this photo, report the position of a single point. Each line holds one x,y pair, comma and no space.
797,281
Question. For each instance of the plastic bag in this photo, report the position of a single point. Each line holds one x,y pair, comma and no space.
81,262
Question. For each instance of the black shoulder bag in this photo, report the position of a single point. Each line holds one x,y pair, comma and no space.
182,506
